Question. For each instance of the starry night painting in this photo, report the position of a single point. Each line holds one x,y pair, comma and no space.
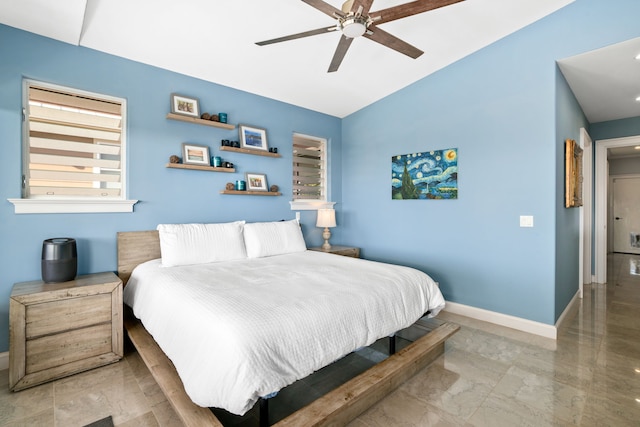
428,175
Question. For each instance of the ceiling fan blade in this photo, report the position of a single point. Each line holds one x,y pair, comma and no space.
338,56
298,35
390,41
324,7
408,9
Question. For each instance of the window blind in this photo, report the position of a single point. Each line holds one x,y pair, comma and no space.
74,145
309,168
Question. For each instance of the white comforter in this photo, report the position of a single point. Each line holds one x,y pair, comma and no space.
239,330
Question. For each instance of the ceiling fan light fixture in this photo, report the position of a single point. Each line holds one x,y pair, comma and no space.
353,26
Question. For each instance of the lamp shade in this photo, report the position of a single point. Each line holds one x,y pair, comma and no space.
326,218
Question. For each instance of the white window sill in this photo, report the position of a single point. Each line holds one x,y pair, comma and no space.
310,205
29,206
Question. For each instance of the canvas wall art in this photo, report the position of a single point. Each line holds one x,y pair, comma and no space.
428,175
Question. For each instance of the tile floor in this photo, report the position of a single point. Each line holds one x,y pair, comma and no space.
488,376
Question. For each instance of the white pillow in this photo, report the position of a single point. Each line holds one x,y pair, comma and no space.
186,244
264,239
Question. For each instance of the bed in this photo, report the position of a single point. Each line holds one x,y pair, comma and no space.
260,311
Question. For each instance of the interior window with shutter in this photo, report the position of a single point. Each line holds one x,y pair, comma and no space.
309,168
74,144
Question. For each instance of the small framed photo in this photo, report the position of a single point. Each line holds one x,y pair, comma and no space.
193,154
185,105
256,182
253,138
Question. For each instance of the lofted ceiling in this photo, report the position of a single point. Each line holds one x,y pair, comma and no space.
215,40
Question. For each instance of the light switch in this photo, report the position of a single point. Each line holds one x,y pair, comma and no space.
526,221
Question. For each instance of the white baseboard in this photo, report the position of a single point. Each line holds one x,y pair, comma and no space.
518,323
575,301
4,360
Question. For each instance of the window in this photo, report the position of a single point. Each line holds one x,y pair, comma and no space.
310,181
74,152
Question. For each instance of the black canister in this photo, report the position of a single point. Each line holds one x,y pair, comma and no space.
59,260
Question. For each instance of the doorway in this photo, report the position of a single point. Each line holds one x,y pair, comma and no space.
601,232
626,214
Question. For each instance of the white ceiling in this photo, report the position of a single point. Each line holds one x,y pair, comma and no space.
214,40
623,152
606,81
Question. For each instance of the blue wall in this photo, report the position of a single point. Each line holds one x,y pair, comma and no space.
507,110
166,195
569,119
615,129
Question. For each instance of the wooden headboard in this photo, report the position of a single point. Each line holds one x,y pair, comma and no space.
136,247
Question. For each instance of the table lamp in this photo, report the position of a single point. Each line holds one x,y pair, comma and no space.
326,219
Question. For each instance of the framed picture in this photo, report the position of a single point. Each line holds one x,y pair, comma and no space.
193,154
185,105
428,175
253,138
256,182
573,174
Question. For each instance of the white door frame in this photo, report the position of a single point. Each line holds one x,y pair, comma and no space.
584,275
602,181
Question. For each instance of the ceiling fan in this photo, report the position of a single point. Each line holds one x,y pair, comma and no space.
355,20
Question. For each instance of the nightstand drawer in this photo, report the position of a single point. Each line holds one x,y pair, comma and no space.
61,349
57,316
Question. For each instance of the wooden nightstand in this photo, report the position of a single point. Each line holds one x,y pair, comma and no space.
59,329
340,250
